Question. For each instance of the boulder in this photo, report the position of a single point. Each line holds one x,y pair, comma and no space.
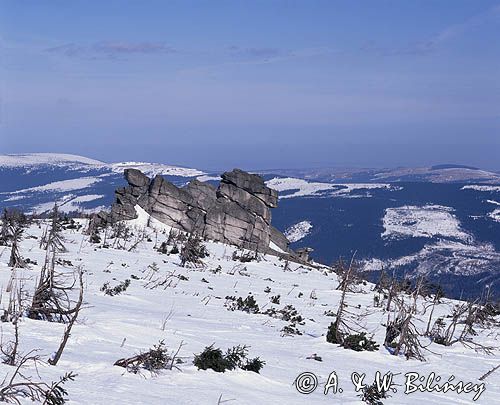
136,178
237,212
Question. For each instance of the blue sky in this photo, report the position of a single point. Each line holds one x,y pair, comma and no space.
254,84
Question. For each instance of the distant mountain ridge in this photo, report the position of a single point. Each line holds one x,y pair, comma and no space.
444,173
440,173
30,160
442,221
52,159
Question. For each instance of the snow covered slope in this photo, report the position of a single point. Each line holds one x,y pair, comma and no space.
448,230
192,310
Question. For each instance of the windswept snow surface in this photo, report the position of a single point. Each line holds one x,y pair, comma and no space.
298,231
303,188
426,221
191,310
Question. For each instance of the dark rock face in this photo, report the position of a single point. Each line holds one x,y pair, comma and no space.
253,184
136,178
237,212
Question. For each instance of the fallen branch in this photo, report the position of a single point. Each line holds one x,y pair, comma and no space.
486,375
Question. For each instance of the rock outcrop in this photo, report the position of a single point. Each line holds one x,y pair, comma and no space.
238,212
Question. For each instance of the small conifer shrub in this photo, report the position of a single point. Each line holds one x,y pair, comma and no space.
117,289
235,357
154,360
246,305
359,342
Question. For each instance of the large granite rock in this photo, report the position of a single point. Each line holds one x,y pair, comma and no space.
237,212
136,178
253,184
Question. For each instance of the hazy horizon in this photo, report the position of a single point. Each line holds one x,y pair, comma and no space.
253,84
262,169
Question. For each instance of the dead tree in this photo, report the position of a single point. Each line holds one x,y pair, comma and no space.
5,235
458,311
67,332
467,314
384,282
11,219
10,350
340,328
393,290
19,387
12,314
487,374
51,300
120,234
140,237
437,297
52,238
348,276
117,229
17,298
15,257
402,335
95,222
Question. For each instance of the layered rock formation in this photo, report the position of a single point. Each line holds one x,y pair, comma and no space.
237,212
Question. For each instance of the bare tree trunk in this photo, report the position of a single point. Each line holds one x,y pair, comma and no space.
392,290
403,337
484,376
15,259
428,330
67,332
346,279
